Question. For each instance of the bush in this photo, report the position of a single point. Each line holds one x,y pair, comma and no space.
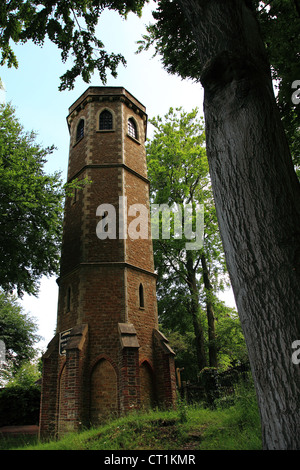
19,405
246,404
209,379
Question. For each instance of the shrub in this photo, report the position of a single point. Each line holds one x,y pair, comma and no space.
19,405
209,379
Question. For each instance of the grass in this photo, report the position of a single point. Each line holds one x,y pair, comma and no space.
190,427
8,442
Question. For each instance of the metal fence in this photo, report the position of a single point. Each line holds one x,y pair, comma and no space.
213,384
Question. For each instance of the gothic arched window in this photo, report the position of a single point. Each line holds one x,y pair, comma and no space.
132,128
80,130
105,120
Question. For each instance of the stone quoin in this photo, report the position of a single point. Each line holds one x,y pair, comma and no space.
107,356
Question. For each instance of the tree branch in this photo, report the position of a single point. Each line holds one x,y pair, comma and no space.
177,270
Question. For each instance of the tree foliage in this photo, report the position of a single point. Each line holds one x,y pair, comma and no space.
280,26
172,39
20,405
18,331
188,280
26,376
70,26
31,208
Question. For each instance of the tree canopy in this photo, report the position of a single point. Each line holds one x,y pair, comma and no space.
31,208
173,41
70,26
18,331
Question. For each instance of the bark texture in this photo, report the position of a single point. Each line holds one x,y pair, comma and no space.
257,199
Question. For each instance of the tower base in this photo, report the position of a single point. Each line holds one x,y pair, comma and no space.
78,393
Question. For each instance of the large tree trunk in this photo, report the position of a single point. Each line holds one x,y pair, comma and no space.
257,199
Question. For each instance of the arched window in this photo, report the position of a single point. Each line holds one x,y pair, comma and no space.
141,296
105,120
132,129
80,130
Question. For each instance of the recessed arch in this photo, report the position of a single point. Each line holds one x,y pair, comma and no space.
103,391
147,385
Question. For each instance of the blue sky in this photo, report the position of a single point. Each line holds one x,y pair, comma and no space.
33,91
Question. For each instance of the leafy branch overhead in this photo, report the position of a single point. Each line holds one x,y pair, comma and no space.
171,37
70,25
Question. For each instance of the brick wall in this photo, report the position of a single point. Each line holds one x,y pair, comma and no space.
129,388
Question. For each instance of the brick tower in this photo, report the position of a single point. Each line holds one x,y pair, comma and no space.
107,356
